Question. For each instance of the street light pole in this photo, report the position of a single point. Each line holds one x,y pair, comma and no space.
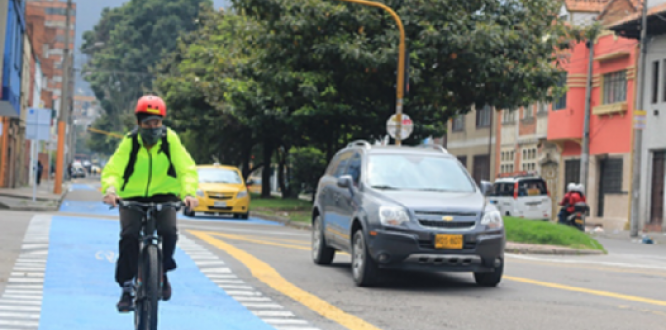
638,133
64,106
401,62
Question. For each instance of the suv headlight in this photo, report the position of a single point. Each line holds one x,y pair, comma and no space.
493,220
392,215
242,194
200,193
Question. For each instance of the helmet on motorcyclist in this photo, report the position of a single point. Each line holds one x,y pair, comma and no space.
580,188
571,187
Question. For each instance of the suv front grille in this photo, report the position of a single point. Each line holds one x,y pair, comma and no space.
447,224
443,213
220,196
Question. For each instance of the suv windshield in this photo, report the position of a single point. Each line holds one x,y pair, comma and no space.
216,175
417,172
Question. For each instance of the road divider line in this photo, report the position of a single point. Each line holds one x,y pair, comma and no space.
603,269
588,291
266,274
243,238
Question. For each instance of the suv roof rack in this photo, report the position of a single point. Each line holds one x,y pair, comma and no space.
362,143
433,146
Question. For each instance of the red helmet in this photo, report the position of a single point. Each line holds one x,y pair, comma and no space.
151,105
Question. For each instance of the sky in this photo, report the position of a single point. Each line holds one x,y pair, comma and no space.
88,14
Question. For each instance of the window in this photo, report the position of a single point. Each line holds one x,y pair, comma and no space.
60,37
532,187
213,175
459,123
59,11
528,112
655,82
529,159
509,116
354,168
507,157
483,117
615,87
561,102
542,108
663,94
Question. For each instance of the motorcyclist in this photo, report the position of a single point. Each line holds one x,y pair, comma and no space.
150,165
562,216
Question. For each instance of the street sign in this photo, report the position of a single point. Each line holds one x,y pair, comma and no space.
407,126
640,117
38,124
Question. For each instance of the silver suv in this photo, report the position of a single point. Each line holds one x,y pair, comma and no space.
403,207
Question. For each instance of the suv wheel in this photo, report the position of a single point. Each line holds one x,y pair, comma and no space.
490,279
322,254
364,268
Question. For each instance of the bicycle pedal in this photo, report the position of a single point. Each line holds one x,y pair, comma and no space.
126,310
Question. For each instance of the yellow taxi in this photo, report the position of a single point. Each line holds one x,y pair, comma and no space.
221,191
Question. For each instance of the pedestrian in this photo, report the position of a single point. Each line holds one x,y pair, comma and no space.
40,170
162,171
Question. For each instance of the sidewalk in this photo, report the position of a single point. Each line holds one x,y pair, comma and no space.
20,199
658,238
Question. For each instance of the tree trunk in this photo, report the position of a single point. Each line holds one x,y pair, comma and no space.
266,171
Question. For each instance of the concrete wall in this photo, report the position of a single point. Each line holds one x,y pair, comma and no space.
653,137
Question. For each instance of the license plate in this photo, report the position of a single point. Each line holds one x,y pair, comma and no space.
579,221
449,242
220,204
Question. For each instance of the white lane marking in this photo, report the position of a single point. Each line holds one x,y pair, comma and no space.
274,313
283,321
586,262
263,305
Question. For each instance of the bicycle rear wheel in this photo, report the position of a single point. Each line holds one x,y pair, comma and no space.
146,309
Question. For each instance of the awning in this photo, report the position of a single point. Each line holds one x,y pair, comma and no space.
7,110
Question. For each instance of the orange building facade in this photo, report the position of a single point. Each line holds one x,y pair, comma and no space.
611,125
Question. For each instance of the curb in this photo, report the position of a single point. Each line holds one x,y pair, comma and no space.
37,208
515,250
552,251
284,221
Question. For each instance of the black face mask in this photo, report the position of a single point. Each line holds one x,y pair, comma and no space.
150,136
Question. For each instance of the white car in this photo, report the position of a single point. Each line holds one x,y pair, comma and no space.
522,195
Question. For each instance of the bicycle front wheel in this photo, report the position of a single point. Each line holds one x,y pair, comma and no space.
151,283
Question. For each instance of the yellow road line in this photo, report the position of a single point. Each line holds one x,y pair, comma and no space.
258,241
588,291
511,278
265,273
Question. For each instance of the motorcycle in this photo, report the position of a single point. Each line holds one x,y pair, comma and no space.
577,217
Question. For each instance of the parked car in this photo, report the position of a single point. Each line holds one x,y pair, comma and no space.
413,208
78,172
221,191
523,195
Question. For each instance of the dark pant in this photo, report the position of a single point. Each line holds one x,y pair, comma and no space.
130,224
563,215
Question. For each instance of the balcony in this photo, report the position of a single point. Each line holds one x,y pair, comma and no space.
610,109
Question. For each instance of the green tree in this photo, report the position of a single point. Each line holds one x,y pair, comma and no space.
127,43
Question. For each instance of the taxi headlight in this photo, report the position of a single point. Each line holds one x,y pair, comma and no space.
242,194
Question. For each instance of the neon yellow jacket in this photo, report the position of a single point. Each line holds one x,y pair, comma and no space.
150,170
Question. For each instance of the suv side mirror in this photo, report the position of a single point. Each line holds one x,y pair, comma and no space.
345,181
486,188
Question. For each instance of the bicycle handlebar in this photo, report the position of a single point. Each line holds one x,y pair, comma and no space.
143,207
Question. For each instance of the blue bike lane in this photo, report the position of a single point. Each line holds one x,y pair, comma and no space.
80,292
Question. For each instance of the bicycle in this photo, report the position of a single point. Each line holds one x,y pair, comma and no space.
148,282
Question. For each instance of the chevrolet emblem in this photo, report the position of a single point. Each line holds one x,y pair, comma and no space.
447,218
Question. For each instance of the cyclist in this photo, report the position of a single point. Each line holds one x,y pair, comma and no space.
150,165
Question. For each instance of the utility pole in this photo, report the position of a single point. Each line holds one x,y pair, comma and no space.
585,156
63,119
638,133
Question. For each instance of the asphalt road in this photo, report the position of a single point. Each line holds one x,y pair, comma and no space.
259,275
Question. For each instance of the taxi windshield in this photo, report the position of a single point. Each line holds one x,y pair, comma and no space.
219,175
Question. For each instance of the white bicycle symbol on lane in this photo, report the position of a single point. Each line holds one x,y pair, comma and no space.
106,255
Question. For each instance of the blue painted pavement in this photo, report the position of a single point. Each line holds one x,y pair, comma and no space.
80,291
99,208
